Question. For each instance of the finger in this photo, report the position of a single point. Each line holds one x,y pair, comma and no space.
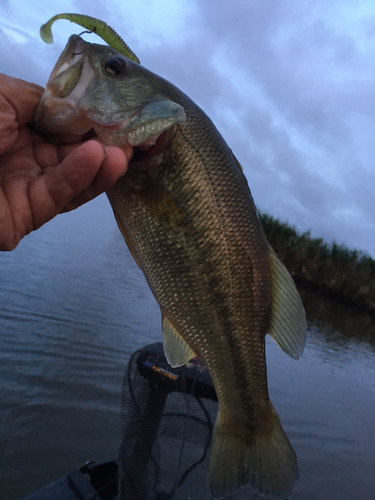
65,149
49,155
60,139
49,193
113,167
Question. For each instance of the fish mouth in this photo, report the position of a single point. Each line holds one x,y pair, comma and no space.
141,129
80,101
84,127
111,135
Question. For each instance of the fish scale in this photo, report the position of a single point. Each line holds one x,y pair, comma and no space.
186,212
229,311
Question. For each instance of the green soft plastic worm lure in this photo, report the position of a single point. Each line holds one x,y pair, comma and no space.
94,25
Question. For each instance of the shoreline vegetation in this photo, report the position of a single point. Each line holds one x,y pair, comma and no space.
348,275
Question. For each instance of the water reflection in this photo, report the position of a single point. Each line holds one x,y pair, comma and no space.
327,402
74,307
339,321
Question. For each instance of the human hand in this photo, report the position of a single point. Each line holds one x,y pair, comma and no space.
38,179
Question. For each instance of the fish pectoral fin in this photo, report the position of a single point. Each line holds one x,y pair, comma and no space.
126,238
176,350
288,321
260,455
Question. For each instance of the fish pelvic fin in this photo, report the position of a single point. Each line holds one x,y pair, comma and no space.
288,322
261,456
176,350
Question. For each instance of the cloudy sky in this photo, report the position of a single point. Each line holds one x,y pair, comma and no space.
289,83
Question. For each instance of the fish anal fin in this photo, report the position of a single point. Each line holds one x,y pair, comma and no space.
260,456
288,322
176,350
126,238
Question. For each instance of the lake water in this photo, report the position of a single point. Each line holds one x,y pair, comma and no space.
74,307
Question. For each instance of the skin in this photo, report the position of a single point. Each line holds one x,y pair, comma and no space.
41,177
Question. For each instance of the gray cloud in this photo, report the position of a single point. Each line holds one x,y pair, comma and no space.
315,78
289,86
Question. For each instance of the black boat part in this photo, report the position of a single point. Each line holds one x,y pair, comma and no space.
91,482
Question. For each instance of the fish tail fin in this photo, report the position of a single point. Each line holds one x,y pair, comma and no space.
261,456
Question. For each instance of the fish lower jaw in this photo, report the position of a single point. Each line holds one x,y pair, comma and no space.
111,137
143,137
121,138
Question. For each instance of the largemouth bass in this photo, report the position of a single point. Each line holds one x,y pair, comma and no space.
187,215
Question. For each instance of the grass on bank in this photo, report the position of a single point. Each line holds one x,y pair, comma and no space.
349,274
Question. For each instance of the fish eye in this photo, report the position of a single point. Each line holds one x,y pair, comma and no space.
115,66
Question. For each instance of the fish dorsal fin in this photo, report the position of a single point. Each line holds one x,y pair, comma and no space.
176,349
288,322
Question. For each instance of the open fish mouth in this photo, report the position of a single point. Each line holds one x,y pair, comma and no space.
145,130
87,93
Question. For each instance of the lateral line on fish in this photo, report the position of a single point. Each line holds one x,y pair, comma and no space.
241,358
221,224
